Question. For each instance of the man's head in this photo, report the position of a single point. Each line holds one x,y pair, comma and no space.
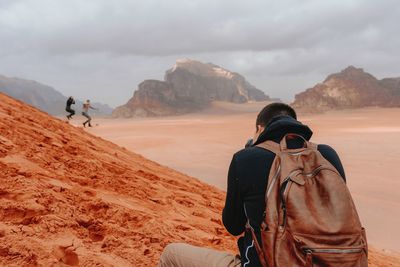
268,113
88,101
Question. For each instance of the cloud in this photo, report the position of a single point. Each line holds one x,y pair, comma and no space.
95,44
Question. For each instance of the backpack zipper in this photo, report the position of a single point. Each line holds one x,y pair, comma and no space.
282,192
332,250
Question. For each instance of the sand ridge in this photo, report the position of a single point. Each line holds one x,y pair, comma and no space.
65,192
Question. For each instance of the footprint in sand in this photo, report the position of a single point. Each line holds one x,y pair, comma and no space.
97,232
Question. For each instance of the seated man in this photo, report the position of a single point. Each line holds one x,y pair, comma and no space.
247,181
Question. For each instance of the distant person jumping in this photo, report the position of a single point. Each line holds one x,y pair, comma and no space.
85,112
70,102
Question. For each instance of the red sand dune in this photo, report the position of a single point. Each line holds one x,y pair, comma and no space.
68,197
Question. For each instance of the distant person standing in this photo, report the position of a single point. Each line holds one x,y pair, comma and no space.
70,102
85,112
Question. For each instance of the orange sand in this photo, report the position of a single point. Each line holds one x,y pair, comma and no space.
67,197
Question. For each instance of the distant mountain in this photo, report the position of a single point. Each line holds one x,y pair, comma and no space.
350,88
42,96
189,86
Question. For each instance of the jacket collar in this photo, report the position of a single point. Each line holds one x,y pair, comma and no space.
279,126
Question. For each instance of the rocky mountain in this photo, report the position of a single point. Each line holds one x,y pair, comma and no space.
350,88
42,96
189,86
391,84
68,198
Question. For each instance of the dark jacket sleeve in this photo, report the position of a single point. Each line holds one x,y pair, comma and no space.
330,154
233,215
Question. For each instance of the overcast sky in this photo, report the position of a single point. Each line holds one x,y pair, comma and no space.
101,49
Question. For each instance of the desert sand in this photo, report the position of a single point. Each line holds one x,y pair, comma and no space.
69,198
201,145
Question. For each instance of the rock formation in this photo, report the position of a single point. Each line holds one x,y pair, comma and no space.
350,88
42,96
189,86
68,198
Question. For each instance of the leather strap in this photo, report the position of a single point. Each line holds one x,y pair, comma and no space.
313,146
260,252
309,259
271,146
283,143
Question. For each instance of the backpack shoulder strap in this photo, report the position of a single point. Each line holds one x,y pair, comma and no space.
314,146
271,146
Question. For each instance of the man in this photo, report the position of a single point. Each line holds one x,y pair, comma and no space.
70,102
85,112
247,181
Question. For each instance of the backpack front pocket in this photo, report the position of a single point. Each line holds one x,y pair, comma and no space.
343,257
331,250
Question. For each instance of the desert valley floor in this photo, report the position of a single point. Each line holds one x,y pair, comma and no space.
202,145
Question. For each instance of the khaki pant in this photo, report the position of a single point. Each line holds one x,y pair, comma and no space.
184,255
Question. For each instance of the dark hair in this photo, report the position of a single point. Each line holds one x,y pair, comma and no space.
272,110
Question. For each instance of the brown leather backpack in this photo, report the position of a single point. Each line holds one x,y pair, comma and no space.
310,218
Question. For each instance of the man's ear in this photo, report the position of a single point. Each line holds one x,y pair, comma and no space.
260,129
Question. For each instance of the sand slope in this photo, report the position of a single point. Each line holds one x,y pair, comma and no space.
62,186
69,197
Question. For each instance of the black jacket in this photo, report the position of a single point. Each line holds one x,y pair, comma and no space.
248,178
70,102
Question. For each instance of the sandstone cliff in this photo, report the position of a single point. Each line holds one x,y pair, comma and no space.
189,86
42,96
350,88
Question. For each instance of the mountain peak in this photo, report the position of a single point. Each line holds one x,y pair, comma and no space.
351,68
351,73
200,68
350,88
